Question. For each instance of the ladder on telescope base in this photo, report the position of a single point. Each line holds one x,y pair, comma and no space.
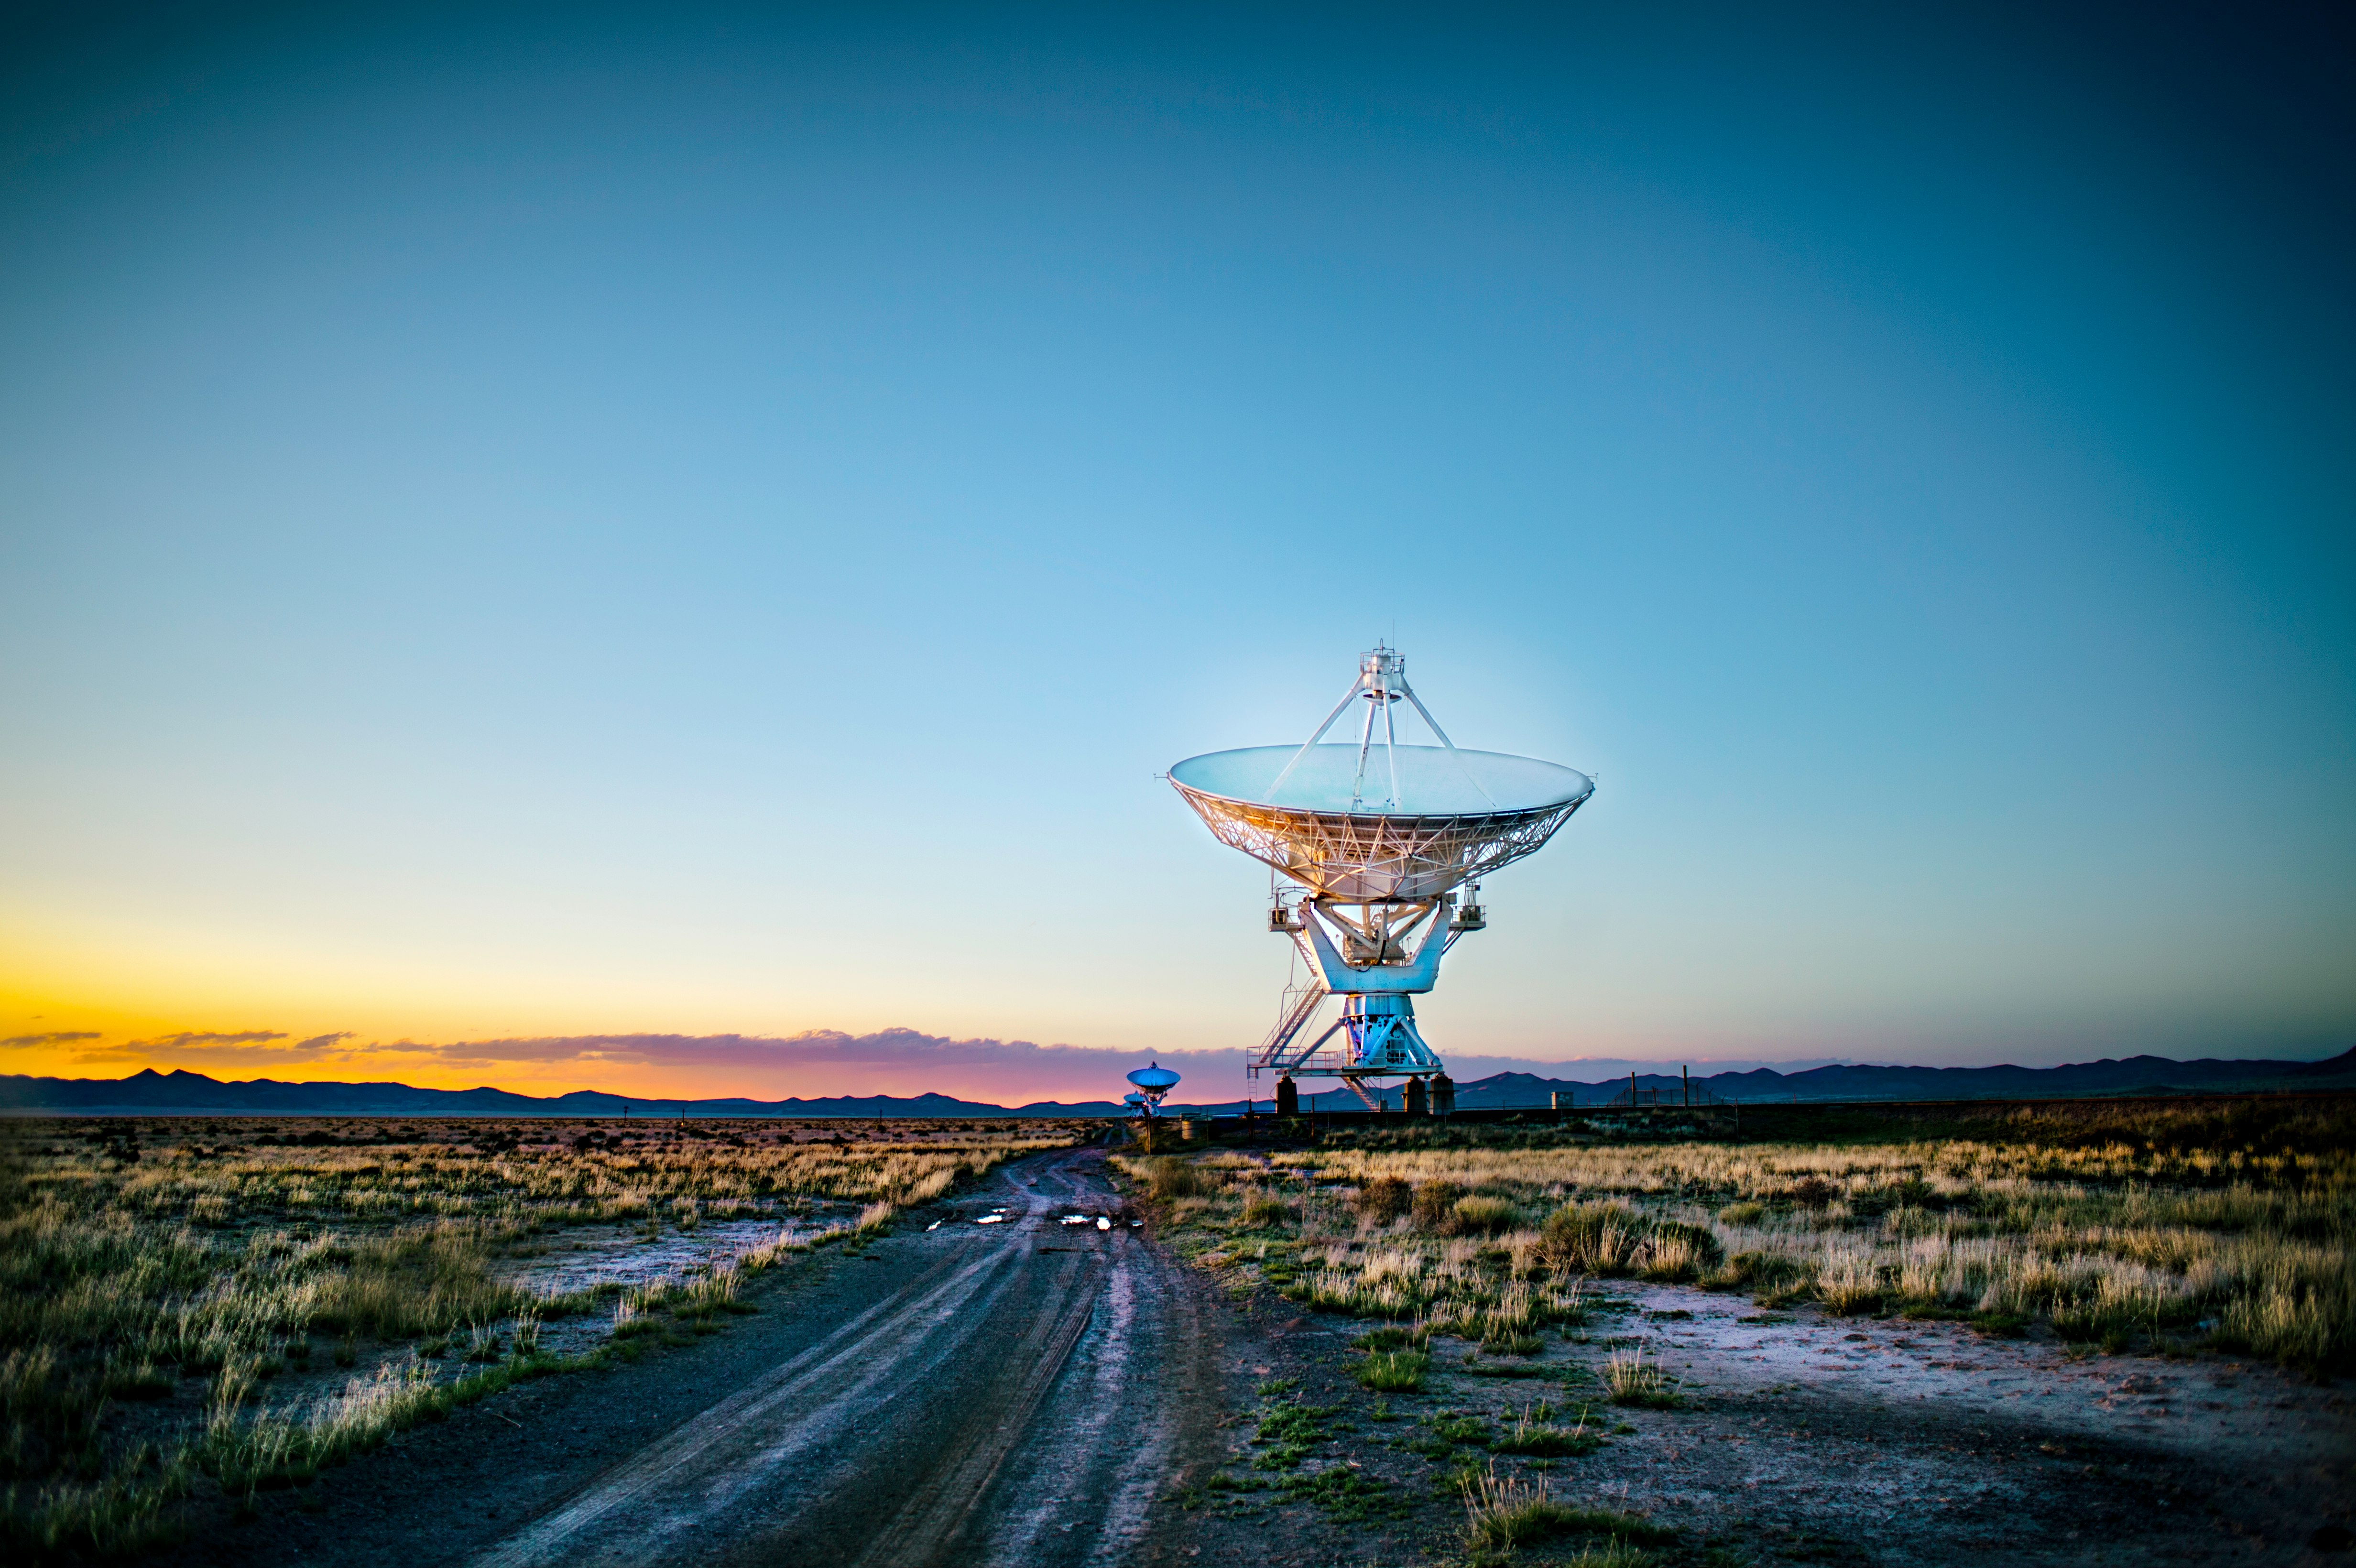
1302,1007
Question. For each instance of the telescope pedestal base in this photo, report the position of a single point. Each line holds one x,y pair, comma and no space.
1377,1039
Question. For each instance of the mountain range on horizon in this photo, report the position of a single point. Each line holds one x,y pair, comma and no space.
182,1092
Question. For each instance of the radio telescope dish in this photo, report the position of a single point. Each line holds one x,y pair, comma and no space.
1443,817
1152,1082
1378,837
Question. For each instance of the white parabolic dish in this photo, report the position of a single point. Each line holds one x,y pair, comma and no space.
1457,815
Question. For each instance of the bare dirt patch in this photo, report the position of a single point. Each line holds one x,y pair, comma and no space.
1805,1438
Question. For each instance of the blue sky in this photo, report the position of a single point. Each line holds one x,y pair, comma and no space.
528,524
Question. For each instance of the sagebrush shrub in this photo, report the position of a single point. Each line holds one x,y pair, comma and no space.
1482,1216
1171,1177
1435,1206
1385,1198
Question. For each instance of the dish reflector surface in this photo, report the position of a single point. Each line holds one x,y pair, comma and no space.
1459,815
1432,780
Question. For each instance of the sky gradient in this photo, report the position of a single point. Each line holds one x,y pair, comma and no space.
518,525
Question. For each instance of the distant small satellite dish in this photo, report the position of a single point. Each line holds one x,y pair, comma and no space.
1152,1082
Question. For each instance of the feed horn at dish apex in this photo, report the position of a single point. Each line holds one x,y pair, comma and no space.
1378,848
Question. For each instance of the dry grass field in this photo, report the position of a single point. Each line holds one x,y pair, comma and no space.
2104,1235
239,1302
215,1307
2227,1227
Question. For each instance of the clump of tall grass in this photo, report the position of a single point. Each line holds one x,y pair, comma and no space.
1503,1322
1813,1191
119,1516
1674,1252
1434,1206
1502,1513
1849,1285
1394,1372
771,1253
2304,1328
1265,1210
1631,1379
927,1187
1535,1434
1759,1270
1385,1198
1613,1239
1613,1553
1412,1336
248,1450
631,1319
717,1291
1483,1215
1167,1176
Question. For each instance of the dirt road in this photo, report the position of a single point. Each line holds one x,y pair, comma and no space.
1009,1392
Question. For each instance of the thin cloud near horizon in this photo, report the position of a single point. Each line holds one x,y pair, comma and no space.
53,1037
817,1064
813,1047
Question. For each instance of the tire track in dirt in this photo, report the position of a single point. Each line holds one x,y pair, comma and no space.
928,1529
968,1417
1140,1400
718,1440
